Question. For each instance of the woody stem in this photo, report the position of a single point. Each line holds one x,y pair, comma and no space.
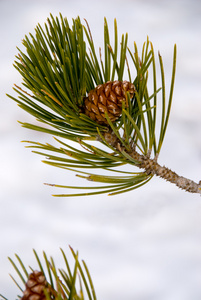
151,166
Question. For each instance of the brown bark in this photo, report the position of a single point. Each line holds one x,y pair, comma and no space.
151,166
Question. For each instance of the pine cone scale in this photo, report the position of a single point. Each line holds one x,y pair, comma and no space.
101,107
107,90
30,283
37,289
94,98
94,108
113,97
102,99
118,90
34,297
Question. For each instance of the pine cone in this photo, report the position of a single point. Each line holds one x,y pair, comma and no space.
107,98
35,287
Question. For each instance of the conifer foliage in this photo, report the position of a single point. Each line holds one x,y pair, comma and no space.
48,282
67,87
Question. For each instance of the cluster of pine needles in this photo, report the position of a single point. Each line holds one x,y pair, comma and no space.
67,284
59,67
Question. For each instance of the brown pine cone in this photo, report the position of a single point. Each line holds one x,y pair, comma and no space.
35,287
107,98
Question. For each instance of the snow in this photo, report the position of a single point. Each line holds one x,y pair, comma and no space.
142,245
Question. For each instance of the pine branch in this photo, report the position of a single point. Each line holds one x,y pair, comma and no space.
82,97
151,167
61,285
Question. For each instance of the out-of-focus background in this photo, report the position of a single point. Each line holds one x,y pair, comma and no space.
143,245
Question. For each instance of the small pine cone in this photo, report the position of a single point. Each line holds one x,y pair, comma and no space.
107,98
35,287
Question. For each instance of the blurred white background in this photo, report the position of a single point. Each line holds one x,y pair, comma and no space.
143,245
